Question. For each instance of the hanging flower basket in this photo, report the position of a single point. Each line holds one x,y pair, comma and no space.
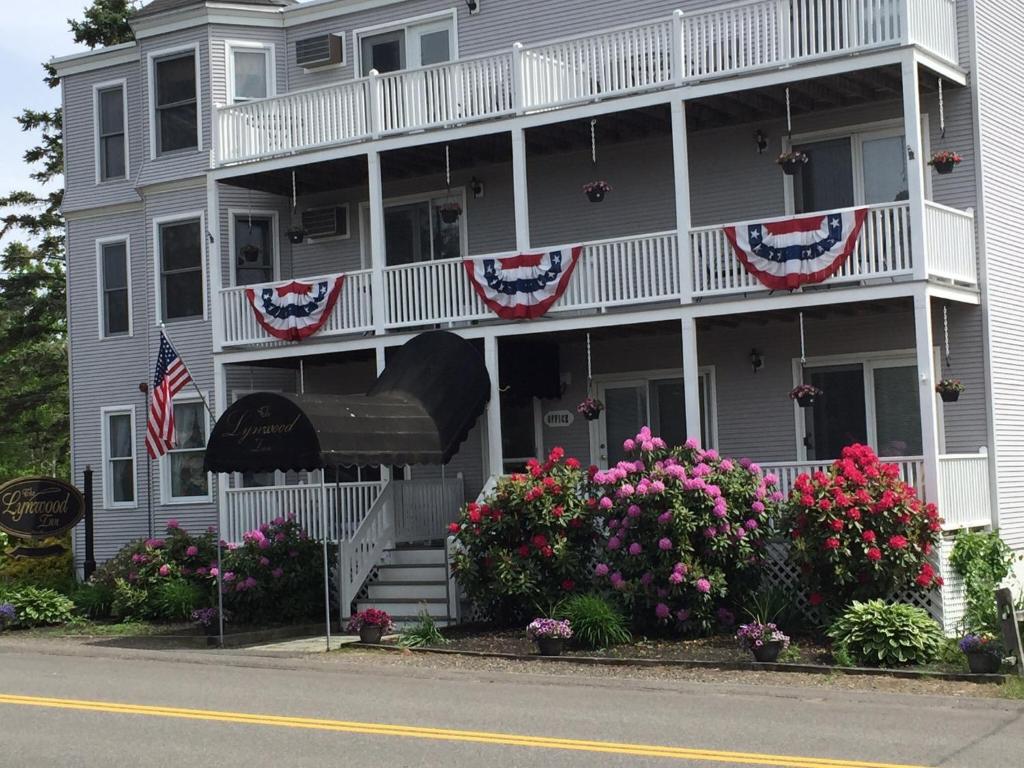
296,235
249,254
450,212
596,190
792,162
950,390
590,409
805,395
945,161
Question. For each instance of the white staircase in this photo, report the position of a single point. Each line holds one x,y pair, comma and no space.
408,581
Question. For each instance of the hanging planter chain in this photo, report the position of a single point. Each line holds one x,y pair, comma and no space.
945,331
942,110
591,407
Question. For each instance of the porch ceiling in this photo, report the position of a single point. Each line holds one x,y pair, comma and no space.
788,316
340,173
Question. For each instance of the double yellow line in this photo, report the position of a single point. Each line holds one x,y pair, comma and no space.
444,734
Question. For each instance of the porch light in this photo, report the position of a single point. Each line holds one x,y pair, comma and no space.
756,361
473,5
476,187
761,141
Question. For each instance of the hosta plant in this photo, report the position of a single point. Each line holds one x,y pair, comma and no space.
880,634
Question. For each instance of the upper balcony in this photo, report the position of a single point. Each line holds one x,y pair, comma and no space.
734,39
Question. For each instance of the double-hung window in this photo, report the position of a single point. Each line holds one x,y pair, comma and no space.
175,102
184,478
115,293
119,483
251,71
254,248
416,44
181,268
111,133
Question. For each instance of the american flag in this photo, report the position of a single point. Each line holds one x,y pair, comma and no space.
170,378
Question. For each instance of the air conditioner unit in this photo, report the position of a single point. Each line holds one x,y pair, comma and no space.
320,51
325,222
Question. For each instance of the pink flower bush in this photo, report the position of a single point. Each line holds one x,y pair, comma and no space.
686,530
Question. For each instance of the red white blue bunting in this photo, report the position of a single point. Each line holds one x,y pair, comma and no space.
793,252
295,311
526,286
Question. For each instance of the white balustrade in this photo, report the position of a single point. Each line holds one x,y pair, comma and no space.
352,313
964,497
883,250
360,553
933,26
951,243
911,470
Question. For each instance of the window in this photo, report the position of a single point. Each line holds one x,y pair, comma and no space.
176,103
519,417
419,44
181,269
115,293
184,478
251,71
111,133
254,248
119,457
415,229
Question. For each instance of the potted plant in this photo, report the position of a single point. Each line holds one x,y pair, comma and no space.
984,656
296,235
549,635
590,408
949,390
945,161
450,212
8,615
804,395
371,624
764,641
793,161
209,620
596,190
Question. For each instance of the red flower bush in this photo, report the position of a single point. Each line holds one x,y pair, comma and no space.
530,542
859,532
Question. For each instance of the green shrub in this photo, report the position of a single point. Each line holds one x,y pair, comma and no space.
596,622
129,601
38,606
880,634
983,560
54,572
176,598
93,600
423,632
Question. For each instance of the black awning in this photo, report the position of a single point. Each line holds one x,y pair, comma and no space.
418,412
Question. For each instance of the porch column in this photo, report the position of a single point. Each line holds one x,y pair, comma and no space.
385,472
691,378
681,172
916,163
520,189
378,243
926,393
215,262
495,460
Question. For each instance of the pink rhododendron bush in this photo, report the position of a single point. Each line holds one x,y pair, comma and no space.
686,531
858,531
530,542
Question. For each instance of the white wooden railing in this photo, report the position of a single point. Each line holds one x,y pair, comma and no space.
726,40
951,243
360,553
424,508
352,314
610,273
883,250
911,470
964,498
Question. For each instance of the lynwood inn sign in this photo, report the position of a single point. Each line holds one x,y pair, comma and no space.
38,508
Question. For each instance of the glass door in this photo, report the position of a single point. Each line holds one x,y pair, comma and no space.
826,182
625,412
897,409
839,417
884,168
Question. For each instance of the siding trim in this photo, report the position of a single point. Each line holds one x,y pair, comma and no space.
100,287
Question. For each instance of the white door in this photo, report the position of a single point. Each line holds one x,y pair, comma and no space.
626,410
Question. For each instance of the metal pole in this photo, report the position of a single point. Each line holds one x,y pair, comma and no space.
90,554
144,389
220,587
191,378
327,570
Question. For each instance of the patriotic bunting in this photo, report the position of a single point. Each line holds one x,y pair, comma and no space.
295,311
524,286
793,252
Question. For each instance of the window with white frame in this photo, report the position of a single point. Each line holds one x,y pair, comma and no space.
111,133
180,253
115,293
417,43
421,228
175,102
184,477
119,457
254,247
250,71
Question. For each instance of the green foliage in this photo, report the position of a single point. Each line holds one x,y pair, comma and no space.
880,634
596,622
130,602
175,599
56,572
1013,688
424,632
93,600
983,560
38,606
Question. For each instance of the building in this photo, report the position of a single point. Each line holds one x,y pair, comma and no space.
253,142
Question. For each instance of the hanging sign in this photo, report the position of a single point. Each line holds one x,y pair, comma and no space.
555,419
38,507
295,311
786,254
526,286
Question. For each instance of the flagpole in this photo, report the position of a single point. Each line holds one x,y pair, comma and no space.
195,384
144,389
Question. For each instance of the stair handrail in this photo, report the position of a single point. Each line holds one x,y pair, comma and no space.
360,553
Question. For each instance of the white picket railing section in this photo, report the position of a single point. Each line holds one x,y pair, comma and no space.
352,314
424,508
610,273
360,553
964,498
951,243
727,40
911,470
883,250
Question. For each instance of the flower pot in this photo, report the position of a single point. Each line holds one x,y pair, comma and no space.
984,662
296,236
450,215
944,168
550,646
805,401
767,653
596,195
792,167
370,633
949,396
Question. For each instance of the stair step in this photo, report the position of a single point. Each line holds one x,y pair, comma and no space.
428,590
414,556
391,573
406,607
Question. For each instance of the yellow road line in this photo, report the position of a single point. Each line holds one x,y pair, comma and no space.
444,734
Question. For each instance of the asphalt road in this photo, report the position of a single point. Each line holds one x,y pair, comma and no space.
197,710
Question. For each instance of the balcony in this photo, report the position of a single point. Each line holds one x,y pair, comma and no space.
731,40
